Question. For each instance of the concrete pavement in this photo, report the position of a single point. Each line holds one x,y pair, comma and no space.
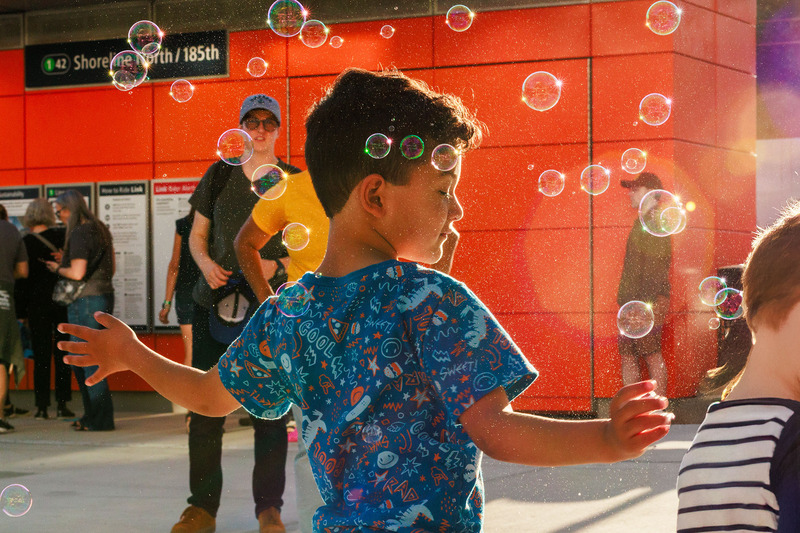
136,479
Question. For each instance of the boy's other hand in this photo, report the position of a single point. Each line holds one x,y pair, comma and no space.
637,420
104,348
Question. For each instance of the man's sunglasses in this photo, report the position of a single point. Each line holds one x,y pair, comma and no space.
269,124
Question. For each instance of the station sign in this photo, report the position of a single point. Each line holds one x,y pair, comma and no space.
183,55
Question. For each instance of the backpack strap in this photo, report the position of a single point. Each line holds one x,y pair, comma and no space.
45,242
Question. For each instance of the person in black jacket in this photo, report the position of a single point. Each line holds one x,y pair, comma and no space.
45,242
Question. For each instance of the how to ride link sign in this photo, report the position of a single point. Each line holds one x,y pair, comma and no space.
184,55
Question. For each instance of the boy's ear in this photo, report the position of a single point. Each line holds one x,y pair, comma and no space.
372,195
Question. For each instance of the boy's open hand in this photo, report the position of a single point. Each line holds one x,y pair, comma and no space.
104,348
636,420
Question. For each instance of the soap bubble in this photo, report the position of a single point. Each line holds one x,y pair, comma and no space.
257,67
654,109
286,17
16,500
634,160
731,306
292,299
713,323
378,146
371,433
710,290
145,37
595,179
181,91
541,91
128,69
635,319
551,182
235,147
336,41
295,236
459,18
314,33
663,18
387,31
269,182
412,147
661,213
444,157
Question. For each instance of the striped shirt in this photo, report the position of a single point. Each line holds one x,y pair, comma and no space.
742,471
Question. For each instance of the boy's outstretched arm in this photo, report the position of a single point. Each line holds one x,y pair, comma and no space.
117,348
502,434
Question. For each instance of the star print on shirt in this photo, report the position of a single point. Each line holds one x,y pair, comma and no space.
373,365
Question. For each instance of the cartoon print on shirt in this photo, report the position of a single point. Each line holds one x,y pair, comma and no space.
381,366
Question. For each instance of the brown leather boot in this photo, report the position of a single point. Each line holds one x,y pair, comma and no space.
195,520
269,521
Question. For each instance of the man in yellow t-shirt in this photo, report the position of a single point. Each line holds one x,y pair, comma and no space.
298,204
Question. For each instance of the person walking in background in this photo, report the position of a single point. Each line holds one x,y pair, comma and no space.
13,265
88,256
645,277
223,201
44,242
182,274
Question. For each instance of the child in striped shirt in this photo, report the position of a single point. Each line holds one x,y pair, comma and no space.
742,472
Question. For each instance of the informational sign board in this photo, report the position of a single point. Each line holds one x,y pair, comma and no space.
169,201
16,201
123,207
182,55
51,192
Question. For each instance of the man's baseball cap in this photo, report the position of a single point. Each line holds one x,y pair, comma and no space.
260,101
645,179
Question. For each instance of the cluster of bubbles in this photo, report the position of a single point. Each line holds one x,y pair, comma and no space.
726,301
459,18
292,299
235,147
16,500
269,182
663,17
541,91
635,319
444,157
129,68
662,213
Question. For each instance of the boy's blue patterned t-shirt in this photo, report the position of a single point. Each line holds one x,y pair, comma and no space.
382,365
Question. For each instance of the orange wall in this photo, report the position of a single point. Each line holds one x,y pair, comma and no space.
547,267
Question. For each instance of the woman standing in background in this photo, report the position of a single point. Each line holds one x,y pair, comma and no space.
44,242
88,256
